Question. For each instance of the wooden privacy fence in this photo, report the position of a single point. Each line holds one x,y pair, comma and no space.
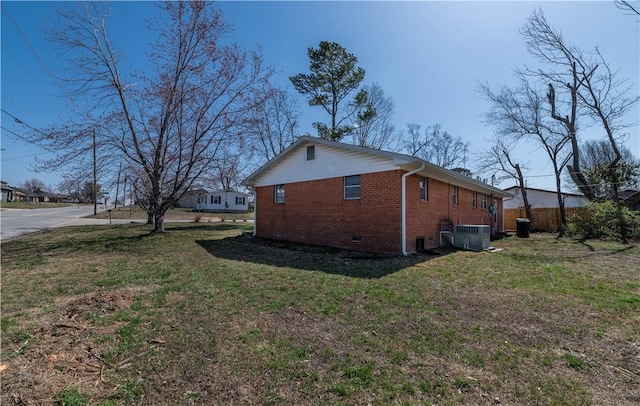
547,219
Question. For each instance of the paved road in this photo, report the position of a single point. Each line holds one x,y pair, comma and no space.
15,222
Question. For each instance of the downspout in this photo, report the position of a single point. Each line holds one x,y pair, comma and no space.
255,212
404,208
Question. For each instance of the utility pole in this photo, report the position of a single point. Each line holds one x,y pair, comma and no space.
124,192
118,187
95,177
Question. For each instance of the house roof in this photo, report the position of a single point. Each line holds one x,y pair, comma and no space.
228,191
402,161
21,191
547,191
195,191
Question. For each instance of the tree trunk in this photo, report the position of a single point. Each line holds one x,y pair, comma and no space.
569,122
149,218
118,186
527,206
562,227
159,223
525,199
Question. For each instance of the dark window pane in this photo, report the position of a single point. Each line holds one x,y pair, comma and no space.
352,192
352,180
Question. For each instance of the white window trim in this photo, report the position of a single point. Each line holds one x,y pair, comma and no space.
425,188
454,195
275,194
345,187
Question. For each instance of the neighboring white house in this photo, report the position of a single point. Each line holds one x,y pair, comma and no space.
223,201
540,199
190,198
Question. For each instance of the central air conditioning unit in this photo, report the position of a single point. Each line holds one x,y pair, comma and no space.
471,237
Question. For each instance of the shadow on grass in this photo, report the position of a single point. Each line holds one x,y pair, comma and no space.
355,264
78,239
218,226
117,238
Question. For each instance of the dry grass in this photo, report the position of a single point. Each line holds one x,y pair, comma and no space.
205,315
135,213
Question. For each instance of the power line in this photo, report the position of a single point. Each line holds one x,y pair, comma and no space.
26,71
19,157
11,132
12,116
26,40
6,101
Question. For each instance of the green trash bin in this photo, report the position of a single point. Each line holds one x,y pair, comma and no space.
523,227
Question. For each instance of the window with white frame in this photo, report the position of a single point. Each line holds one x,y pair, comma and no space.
352,187
278,194
484,201
215,200
455,195
423,188
474,199
240,200
311,152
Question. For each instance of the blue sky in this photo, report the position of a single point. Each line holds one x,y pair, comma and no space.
429,56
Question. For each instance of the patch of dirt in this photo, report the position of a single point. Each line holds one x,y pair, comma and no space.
63,352
101,302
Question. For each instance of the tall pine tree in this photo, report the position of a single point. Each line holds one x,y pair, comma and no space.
334,75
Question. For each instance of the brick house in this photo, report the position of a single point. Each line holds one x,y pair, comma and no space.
339,195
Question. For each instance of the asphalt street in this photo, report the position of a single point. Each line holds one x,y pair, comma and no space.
15,222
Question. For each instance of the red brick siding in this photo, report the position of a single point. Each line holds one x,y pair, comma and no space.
424,216
315,212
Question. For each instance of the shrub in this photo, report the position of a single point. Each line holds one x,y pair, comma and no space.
605,220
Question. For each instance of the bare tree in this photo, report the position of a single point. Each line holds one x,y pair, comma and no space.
70,185
436,146
628,7
519,113
33,185
597,156
169,125
577,82
372,124
274,124
498,161
230,167
413,140
82,155
592,87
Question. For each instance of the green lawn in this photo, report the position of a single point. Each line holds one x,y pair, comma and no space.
134,212
26,205
203,314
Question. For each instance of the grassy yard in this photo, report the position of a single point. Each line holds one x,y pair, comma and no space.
26,205
112,315
131,212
